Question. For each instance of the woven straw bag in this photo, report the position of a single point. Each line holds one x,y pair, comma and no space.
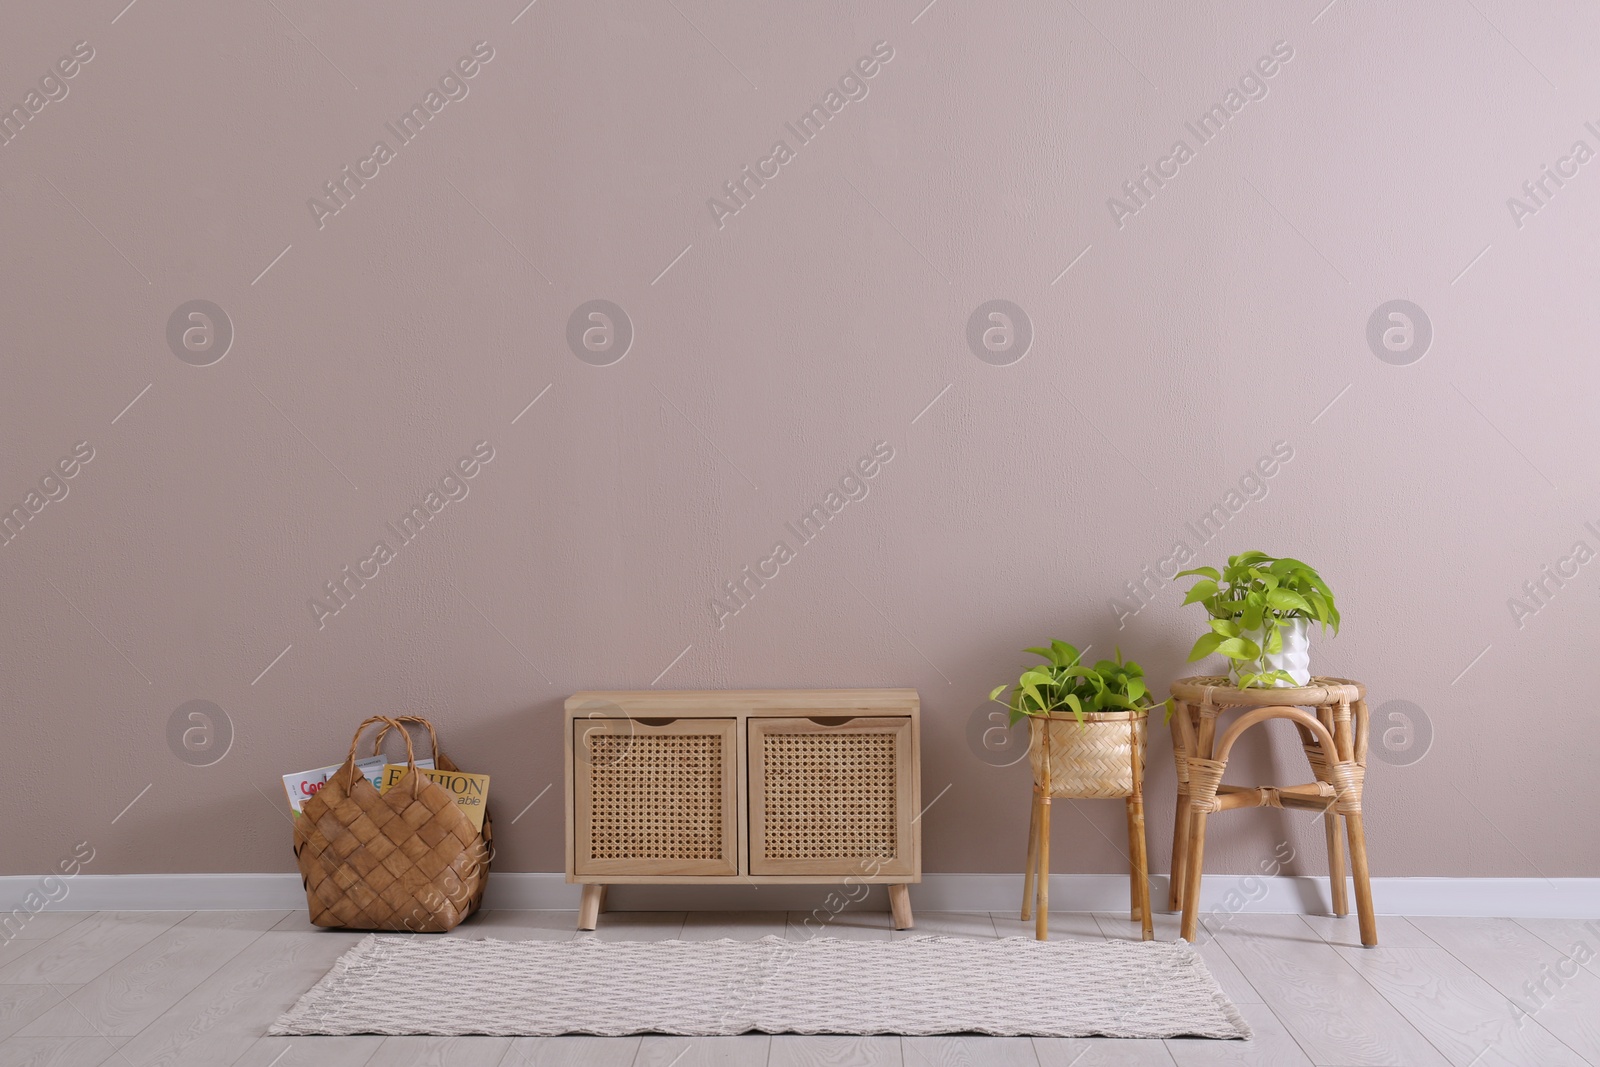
407,859
1092,759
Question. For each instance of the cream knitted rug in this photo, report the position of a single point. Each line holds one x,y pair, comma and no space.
921,985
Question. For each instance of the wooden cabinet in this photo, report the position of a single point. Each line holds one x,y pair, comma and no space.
743,786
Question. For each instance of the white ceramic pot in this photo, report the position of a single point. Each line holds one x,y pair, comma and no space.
1295,657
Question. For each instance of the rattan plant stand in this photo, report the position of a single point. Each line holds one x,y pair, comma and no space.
1099,758
1334,735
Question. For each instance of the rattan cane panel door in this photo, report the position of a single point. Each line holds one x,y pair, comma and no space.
831,798
656,799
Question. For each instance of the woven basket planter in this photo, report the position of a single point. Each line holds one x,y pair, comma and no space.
405,860
1091,759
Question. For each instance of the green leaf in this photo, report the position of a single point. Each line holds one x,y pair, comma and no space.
1225,627
994,694
1239,648
1065,654
1287,600
1207,572
1205,646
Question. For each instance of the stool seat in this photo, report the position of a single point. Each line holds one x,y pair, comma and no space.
1333,735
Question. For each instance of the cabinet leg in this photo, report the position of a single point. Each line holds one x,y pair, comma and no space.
900,907
594,898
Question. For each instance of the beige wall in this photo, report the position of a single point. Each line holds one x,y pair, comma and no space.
1224,318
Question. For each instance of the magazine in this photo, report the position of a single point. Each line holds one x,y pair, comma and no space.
470,790
303,786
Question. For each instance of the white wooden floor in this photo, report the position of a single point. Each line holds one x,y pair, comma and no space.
198,989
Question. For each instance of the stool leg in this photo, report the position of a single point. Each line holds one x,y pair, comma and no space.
1033,860
1191,887
1180,853
1358,867
1133,865
1041,929
1139,852
1336,878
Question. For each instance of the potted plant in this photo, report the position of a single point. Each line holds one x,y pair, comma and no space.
1086,724
1261,611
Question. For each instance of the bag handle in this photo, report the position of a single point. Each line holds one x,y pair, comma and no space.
350,760
395,721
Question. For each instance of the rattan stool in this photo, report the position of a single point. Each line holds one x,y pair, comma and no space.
1099,758
1335,742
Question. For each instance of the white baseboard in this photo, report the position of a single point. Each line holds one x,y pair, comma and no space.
1485,897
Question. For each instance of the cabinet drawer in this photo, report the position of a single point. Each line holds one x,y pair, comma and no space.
832,796
655,797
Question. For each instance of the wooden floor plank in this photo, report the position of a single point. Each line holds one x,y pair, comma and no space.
964,1051
509,925
1579,938
1271,1045
734,925
43,925
57,1052
847,925
636,926
834,1050
1101,1052
1461,1014
1064,925
1239,990
13,950
743,1051
240,1000
440,1052
21,1004
573,1051
1345,931
1333,1013
973,924
1526,969
283,1052
85,950
133,992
